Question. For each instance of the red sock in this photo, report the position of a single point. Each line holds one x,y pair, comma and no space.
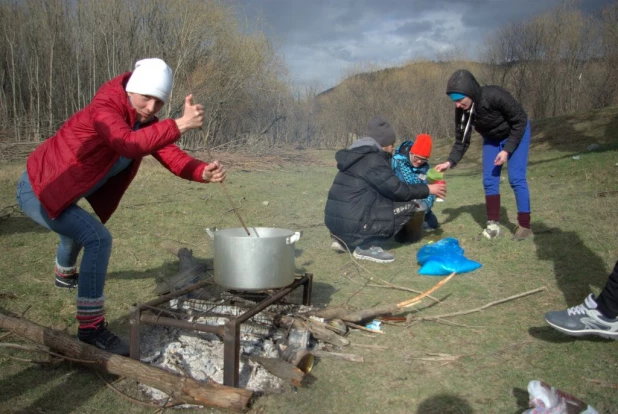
523,219
492,203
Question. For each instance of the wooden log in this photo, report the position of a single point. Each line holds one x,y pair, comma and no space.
281,369
181,389
317,329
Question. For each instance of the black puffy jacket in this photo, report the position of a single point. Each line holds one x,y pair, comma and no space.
360,201
496,115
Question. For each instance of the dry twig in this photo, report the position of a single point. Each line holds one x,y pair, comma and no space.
496,302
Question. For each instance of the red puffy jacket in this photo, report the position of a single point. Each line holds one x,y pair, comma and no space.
67,165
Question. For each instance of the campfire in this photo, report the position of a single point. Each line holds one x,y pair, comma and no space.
201,355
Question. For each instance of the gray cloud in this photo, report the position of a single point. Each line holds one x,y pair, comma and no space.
322,40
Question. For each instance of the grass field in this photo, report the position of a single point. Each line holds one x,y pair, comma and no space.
475,363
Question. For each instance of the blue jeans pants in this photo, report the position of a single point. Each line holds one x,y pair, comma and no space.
517,165
76,228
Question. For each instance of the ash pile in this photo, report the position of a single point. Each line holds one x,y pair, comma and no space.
276,344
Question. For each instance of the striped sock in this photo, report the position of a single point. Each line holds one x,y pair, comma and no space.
90,312
65,272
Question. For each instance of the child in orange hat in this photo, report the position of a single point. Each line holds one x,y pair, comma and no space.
410,164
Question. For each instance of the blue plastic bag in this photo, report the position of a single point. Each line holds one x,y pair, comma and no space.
443,258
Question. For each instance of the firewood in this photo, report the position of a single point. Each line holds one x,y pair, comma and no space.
281,369
317,329
181,389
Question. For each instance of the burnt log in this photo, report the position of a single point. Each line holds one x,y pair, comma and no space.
180,389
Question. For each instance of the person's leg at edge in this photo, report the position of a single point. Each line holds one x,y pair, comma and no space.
517,168
607,301
596,316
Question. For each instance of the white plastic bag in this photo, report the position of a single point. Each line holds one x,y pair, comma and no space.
546,399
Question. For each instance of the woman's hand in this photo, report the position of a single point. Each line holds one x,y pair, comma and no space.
443,167
501,157
439,189
193,116
214,173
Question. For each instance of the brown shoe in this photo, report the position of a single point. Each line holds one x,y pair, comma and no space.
522,233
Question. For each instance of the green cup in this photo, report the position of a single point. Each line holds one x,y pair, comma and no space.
434,175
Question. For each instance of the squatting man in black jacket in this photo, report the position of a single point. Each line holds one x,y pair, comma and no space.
367,203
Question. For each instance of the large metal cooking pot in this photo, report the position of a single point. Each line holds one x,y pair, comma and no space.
262,260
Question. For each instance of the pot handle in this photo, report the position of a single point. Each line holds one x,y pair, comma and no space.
211,232
293,238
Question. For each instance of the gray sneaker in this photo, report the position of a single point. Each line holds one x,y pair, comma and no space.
374,254
583,320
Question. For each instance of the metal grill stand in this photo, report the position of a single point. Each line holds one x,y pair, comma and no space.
230,331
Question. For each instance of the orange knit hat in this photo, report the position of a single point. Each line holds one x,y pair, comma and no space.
422,146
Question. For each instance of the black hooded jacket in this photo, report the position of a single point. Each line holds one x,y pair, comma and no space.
496,115
360,201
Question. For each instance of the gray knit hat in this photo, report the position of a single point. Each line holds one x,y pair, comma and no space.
379,129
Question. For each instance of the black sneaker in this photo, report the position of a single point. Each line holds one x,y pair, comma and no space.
103,339
67,282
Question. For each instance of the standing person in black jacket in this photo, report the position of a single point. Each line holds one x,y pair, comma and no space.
504,126
367,203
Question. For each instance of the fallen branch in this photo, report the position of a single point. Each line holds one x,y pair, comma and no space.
496,302
181,389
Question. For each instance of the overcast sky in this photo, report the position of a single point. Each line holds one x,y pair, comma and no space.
323,40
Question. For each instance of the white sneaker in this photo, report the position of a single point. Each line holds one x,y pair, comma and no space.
582,320
492,230
337,246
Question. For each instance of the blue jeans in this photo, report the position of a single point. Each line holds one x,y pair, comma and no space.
517,165
76,228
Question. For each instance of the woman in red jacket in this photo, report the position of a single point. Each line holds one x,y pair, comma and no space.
95,155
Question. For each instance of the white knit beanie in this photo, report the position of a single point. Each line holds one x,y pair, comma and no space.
151,77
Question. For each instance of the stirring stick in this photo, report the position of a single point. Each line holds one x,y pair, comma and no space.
231,201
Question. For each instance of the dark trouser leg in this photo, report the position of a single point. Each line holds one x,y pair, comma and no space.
607,300
403,212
